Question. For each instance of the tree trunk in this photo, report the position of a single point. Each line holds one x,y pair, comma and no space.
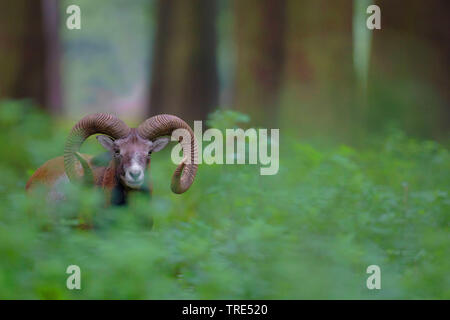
318,71
413,47
259,40
184,76
30,51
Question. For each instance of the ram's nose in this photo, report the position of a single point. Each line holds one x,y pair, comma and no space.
135,174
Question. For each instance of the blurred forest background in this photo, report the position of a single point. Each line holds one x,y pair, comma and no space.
364,162
309,66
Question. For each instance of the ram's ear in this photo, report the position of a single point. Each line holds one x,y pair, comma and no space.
160,143
106,142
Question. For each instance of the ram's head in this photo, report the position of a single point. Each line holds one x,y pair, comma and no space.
131,148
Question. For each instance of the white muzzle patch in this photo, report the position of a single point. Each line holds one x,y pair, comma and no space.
134,175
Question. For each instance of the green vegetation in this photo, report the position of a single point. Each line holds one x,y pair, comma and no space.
308,232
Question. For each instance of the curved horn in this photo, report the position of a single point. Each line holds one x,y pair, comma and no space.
86,127
165,124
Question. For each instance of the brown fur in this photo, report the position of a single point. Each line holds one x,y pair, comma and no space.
52,170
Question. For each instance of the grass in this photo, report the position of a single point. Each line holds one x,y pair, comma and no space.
309,232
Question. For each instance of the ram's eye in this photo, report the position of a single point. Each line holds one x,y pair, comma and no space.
117,152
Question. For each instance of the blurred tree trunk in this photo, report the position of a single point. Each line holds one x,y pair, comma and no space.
184,76
30,51
53,90
419,33
318,72
259,41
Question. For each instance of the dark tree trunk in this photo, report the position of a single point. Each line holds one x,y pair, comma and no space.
53,90
259,39
184,76
414,43
30,51
318,69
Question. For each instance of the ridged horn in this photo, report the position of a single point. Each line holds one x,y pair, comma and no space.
91,124
163,125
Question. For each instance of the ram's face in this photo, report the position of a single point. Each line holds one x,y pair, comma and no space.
132,155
